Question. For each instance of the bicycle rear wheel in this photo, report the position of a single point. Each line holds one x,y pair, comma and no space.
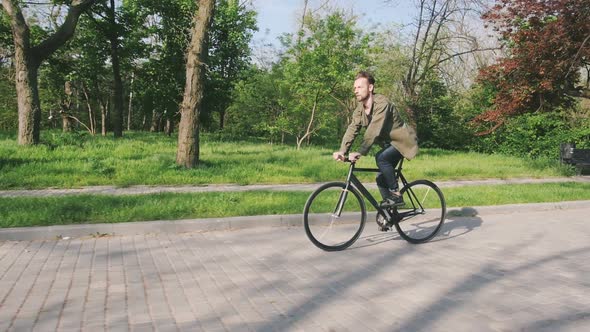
334,218
423,213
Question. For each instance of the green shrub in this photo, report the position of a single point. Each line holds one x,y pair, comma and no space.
536,135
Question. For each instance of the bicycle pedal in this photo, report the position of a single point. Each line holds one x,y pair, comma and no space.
385,228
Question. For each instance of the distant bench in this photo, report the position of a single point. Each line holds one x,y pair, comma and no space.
580,158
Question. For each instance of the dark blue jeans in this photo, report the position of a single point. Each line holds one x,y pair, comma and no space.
387,160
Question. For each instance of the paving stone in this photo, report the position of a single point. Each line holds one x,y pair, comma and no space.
497,272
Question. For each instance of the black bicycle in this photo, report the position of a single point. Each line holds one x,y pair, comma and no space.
335,214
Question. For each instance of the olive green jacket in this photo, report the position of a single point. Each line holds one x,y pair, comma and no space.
384,125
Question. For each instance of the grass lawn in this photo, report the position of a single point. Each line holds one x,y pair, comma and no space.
77,160
40,211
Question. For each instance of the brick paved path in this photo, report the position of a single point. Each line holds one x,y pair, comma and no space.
526,271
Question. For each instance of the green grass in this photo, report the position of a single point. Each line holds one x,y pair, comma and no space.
76,160
40,211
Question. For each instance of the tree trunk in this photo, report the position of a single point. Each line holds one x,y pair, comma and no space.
52,119
117,114
27,60
66,108
66,123
309,131
169,127
130,108
26,69
144,122
221,119
27,92
104,115
187,154
155,121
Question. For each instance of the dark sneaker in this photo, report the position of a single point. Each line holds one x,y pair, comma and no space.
391,201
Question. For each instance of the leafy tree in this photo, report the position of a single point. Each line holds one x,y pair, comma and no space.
55,90
440,125
161,33
229,56
91,73
78,80
8,115
255,105
549,42
161,30
109,23
8,106
390,61
319,65
28,57
6,44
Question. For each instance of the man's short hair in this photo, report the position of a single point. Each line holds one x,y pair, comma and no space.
367,75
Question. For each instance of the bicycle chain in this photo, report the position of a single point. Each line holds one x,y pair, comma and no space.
382,223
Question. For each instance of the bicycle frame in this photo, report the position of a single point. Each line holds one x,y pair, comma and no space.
351,179
417,220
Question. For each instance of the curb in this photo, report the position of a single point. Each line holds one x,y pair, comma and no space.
57,232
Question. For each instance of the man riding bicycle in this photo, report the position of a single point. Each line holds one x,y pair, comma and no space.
385,127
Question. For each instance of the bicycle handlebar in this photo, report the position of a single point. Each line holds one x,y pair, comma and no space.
347,160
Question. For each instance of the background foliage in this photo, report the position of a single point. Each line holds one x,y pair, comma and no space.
527,98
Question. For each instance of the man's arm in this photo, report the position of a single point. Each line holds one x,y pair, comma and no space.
351,132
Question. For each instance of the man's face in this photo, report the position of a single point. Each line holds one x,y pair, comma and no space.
362,89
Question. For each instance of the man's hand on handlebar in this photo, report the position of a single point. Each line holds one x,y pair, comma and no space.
354,156
339,156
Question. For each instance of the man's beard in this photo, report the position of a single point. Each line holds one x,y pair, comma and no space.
362,100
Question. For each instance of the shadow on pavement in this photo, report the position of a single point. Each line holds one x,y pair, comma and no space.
375,239
489,274
459,222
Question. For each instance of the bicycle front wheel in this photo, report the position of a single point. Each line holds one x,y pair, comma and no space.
423,213
334,218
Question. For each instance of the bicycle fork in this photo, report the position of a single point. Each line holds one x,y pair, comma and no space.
343,195
340,206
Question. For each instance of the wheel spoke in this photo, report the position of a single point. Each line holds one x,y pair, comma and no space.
332,228
424,212
424,197
327,229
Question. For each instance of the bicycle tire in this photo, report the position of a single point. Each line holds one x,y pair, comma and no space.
326,230
424,211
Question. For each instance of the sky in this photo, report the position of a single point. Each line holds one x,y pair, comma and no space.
276,17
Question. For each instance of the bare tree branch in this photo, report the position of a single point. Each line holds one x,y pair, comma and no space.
80,122
440,61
